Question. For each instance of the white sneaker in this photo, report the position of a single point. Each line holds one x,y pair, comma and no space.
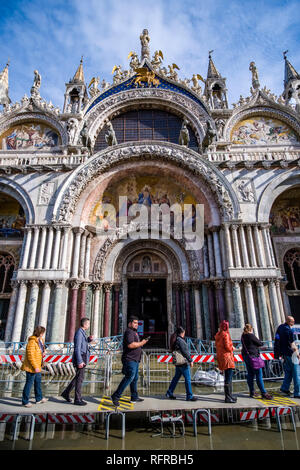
43,400
28,405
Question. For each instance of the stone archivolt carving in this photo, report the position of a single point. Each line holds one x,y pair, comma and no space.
123,153
134,247
156,98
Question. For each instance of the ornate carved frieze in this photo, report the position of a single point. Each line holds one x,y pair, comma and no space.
123,153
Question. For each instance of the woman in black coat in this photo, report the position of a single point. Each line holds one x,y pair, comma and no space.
250,346
178,343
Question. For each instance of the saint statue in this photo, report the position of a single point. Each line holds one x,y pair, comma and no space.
145,39
255,81
184,136
35,89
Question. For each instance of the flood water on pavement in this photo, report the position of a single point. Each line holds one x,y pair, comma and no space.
139,430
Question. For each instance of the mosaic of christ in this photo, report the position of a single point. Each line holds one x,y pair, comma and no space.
145,190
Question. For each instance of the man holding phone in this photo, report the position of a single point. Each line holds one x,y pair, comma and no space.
132,352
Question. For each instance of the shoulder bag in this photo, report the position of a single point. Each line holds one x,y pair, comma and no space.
178,358
255,362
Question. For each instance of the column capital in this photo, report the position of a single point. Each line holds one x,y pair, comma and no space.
219,284
117,286
59,283
235,283
260,282
78,230
215,228
34,283
14,284
234,227
107,286
84,285
74,284
46,283
96,286
186,285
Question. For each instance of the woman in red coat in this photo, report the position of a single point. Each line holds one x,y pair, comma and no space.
225,359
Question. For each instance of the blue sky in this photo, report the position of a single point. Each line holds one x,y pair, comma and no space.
51,36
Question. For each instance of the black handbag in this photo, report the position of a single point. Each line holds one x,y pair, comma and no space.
178,358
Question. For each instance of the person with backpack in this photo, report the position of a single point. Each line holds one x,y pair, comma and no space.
285,347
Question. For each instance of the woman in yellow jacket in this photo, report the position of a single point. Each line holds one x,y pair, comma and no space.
32,364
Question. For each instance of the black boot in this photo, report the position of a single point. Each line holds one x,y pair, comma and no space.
228,397
230,393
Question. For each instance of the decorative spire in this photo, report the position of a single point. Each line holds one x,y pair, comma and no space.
212,71
290,72
4,98
79,75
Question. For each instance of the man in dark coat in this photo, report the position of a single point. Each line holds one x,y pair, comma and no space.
80,359
132,351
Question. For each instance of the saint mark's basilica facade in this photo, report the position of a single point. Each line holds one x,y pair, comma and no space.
155,138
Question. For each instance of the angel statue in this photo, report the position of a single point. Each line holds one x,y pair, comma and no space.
196,88
93,86
104,84
117,70
145,39
172,74
110,135
134,62
184,136
35,89
255,80
158,57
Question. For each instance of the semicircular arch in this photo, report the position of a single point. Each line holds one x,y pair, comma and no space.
14,190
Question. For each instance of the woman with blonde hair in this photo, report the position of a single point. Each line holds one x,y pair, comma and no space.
250,350
32,365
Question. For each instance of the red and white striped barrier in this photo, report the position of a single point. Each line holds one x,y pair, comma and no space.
248,415
51,359
71,419
10,358
204,358
5,418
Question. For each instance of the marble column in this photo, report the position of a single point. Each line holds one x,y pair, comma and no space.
186,290
27,247
236,248
49,244
34,248
250,305
217,252
275,310
177,300
82,256
96,310
229,302
20,307
251,246
206,315
237,304
228,247
211,261
54,264
263,311
11,311
87,257
31,311
266,246
65,244
57,330
107,290
42,248
199,331
212,312
220,302
279,296
271,246
82,307
116,309
46,291
73,310
258,244
244,247
75,267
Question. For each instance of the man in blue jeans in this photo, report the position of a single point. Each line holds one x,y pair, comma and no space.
132,351
287,347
